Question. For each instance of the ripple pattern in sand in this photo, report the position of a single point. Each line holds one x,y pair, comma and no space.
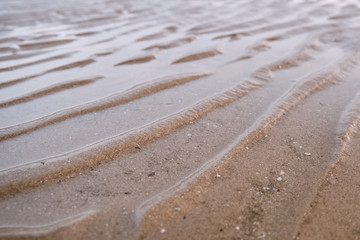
133,87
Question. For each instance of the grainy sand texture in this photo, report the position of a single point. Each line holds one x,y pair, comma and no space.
183,119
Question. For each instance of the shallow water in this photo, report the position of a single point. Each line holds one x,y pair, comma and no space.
82,81
57,57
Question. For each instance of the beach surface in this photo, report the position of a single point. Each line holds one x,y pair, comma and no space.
179,119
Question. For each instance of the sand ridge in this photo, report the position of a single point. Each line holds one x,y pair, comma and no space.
204,120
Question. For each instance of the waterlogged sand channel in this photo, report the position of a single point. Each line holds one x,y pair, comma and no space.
179,120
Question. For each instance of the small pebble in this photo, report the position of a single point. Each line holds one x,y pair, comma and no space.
177,209
262,236
237,228
137,146
218,175
282,172
279,178
307,154
163,230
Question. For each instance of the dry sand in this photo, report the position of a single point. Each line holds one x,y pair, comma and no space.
179,119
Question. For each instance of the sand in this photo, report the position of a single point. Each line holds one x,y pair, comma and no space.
179,120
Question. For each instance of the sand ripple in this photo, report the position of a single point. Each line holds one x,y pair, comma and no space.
156,115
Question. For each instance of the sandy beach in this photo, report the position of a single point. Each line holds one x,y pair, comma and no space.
215,119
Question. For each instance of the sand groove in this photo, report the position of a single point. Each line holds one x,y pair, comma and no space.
85,159
350,124
202,176
49,90
114,100
47,44
252,89
168,124
173,44
144,59
36,231
167,30
76,64
198,56
11,68
19,56
189,115
349,127
19,80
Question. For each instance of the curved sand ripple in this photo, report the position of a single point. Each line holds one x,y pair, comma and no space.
176,120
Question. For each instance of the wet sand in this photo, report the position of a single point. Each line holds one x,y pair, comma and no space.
173,120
